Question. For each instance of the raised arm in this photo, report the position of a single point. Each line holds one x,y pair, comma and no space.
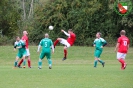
65,33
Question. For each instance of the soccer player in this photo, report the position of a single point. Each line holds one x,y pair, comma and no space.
20,45
99,43
122,47
69,42
26,40
46,45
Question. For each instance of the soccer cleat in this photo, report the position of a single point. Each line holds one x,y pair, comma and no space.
124,66
64,58
19,67
50,67
39,68
29,67
103,64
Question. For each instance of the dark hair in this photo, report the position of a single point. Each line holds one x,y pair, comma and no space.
99,33
70,30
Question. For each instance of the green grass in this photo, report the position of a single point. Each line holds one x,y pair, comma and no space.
76,72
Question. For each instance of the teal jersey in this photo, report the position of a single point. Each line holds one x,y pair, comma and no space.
46,44
20,44
99,42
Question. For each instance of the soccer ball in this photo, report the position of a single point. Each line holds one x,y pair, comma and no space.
51,27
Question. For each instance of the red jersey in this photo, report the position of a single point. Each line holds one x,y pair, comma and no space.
123,44
26,41
71,39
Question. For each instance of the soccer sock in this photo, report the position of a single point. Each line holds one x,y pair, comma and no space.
40,63
95,63
100,61
55,43
24,62
15,63
122,62
50,62
65,53
29,63
20,62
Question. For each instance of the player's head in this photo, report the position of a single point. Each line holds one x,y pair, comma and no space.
98,34
25,33
46,35
70,31
123,32
17,38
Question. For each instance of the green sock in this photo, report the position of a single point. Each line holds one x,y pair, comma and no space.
15,63
101,61
95,63
50,62
40,63
24,62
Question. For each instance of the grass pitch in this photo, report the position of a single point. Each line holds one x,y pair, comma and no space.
76,72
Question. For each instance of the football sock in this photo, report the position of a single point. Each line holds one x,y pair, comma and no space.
65,53
29,63
24,62
50,62
40,63
95,63
15,63
20,62
100,61
122,62
55,43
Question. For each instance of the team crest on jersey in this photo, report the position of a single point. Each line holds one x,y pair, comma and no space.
123,7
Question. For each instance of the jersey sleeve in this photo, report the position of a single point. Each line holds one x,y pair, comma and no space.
51,43
119,40
104,42
94,42
15,44
41,43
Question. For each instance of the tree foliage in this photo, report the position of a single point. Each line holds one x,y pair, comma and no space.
85,17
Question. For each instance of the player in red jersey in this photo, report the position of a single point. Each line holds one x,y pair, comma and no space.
122,47
69,42
26,40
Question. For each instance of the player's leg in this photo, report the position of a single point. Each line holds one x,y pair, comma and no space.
28,58
16,61
65,53
98,55
42,55
120,58
48,55
57,41
95,62
20,55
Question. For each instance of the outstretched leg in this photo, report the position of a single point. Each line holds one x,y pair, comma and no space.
57,41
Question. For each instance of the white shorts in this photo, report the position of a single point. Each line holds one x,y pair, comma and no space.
64,42
121,55
27,52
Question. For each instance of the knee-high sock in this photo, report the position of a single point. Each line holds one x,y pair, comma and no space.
20,62
100,61
122,62
24,62
56,42
95,63
15,63
65,53
40,63
50,62
29,63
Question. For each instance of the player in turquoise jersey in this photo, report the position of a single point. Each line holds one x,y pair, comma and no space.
20,45
46,45
99,43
